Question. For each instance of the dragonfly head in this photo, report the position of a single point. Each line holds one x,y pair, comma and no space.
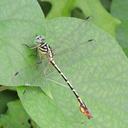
40,39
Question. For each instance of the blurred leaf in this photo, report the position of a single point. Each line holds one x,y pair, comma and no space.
77,12
122,36
15,117
94,9
99,15
45,6
106,4
97,69
3,88
119,9
5,97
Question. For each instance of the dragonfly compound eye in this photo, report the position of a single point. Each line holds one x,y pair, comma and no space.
40,39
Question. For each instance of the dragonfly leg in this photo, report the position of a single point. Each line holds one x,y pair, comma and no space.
31,47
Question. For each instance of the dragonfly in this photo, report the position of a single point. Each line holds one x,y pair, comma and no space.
44,49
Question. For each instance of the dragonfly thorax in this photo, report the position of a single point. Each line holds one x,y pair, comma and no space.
42,47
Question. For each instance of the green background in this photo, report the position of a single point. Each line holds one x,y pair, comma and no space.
92,53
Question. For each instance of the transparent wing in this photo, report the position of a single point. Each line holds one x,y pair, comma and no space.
32,72
66,45
67,39
54,33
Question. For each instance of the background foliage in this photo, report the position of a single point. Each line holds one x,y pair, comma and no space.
92,52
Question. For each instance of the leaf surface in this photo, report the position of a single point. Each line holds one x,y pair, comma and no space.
97,69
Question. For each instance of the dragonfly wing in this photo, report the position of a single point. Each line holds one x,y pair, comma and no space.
62,40
30,75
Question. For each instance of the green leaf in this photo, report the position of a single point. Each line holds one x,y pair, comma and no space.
98,71
119,9
99,15
94,9
42,109
106,4
15,117
122,36
5,97
20,22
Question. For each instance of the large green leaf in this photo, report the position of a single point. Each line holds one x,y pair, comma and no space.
97,69
20,21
